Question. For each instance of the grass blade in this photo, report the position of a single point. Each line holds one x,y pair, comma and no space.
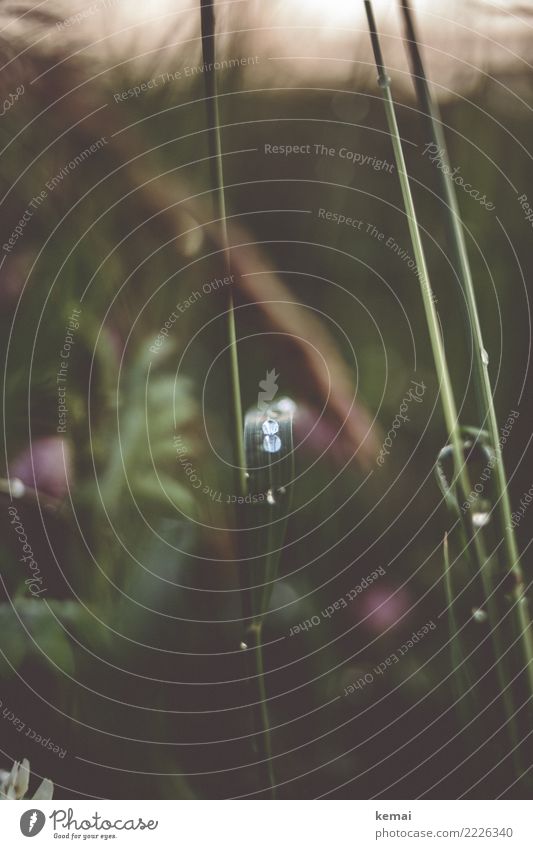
268,436
484,394
439,355
462,678
460,479
219,202
252,644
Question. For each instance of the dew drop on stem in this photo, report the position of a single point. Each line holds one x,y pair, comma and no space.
18,489
272,444
480,518
270,427
479,615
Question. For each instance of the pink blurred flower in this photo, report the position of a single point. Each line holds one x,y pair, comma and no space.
45,465
384,607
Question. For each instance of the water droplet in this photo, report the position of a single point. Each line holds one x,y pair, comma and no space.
272,444
479,615
247,475
480,518
484,357
270,497
17,488
282,490
270,427
243,646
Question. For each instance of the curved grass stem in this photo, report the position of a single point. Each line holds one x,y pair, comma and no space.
484,393
461,480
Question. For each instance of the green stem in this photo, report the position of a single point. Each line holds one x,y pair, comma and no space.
254,654
461,479
262,724
445,384
219,202
461,680
481,370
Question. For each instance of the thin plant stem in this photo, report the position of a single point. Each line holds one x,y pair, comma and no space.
461,478
264,748
461,679
481,360
253,649
219,202
447,395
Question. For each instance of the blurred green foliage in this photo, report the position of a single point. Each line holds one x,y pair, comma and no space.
131,661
